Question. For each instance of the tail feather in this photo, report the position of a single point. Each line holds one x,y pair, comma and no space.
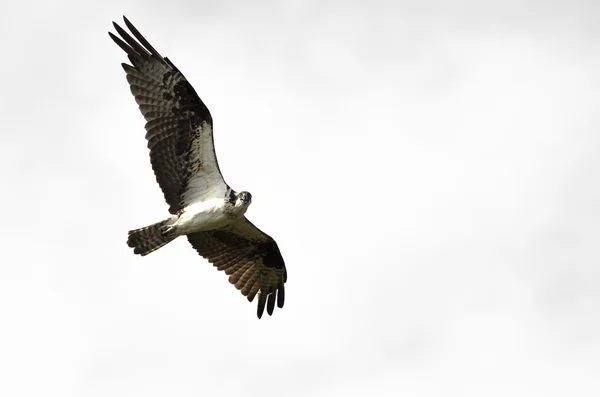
148,239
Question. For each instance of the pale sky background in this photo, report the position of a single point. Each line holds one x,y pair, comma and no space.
430,171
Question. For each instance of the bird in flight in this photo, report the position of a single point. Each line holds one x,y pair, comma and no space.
179,131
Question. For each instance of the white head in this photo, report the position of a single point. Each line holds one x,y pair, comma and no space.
244,199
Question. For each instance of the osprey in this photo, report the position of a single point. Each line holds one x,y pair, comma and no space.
203,207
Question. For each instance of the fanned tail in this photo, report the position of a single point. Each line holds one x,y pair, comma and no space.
148,239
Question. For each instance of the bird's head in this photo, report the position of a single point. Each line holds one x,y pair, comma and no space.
243,200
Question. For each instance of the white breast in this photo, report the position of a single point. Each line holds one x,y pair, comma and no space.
206,215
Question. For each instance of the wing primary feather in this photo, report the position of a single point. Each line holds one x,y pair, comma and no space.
280,294
141,38
271,303
262,299
130,51
129,40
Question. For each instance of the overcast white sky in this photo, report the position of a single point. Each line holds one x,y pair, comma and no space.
429,169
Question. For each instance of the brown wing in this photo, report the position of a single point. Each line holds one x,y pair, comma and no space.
178,124
250,257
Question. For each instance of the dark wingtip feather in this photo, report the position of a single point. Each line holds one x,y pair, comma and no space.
280,295
271,303
141,38
128,50
115,38
137,47
261,305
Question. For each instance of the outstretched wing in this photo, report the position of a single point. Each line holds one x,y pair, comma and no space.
178,124
250,257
